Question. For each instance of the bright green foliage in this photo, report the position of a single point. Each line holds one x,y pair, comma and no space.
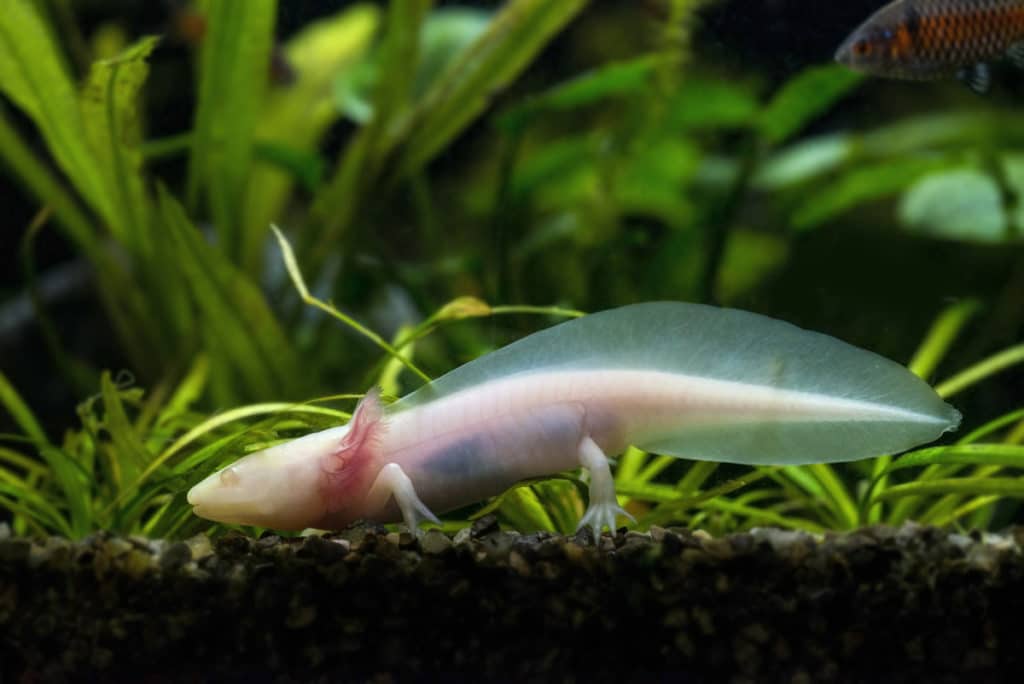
234,62
423,162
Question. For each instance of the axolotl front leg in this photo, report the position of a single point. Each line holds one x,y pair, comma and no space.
495,454
393,483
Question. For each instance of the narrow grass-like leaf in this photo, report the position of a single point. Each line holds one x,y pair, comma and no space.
17,461
940,337
364,158
300,285
236,322
32,505
387,379
33,74
992,427
110,115
759,516
41,520
677,500
515,36
41,183
189,390
128,453
696,476
838,499
119,294
799,485
296,117
614,80
630,464
981,371
860,185
926,359
965,486
524,511
655,467
805,97
20,412
233,72
76,487
462,308
1010,455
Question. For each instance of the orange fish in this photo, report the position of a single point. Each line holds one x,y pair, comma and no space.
932,39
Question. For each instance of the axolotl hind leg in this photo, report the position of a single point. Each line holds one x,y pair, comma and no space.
393,482
603,506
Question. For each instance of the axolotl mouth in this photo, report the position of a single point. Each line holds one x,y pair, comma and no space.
221,497
277,487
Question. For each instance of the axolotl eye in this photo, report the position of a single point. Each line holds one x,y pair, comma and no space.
229,477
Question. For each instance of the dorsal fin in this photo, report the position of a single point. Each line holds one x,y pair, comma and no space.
700,341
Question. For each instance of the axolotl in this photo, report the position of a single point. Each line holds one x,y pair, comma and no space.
687,380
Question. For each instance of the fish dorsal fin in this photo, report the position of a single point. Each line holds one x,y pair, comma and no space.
977,77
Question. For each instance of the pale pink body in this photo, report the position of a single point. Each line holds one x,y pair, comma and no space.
478,442
670,378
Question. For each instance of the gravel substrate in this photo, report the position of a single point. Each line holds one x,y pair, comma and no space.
880,604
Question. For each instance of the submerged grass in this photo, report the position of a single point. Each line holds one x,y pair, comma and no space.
625,181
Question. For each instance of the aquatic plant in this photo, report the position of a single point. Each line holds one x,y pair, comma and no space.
459,187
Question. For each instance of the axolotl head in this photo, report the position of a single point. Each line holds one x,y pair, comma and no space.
318,480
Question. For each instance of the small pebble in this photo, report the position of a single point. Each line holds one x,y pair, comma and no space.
175,556
435,542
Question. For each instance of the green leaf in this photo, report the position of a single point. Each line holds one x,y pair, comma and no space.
1010,455
941,337
964,486
705,103
860,185
515,36
296,117
189,390
20,412
128,453
234,67
958,204
524,511
113,126
34,76
805,160
363,160
759,516
239,328
288,164
750,258
803,99
446,33
614,80
993,365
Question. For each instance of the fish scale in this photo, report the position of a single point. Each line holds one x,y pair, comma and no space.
929,39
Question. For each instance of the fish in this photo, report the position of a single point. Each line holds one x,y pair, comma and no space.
685,380
927,40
